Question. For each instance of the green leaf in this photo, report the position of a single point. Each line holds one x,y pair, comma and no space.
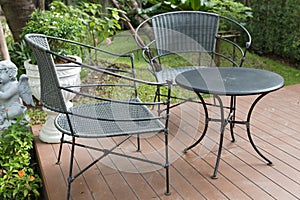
25,193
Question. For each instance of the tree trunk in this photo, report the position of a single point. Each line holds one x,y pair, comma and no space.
3,46
134,6
17,14
139,18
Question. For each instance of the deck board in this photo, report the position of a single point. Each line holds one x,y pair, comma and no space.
242,173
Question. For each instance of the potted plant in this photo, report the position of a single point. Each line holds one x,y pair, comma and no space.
68,22
53,23
83,23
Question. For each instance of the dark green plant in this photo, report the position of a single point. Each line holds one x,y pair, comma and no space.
275,29
83,23
18,180
99,25
19,52
37,116
60,22
228,8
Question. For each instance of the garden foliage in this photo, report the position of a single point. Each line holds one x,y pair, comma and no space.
18,179
84,23
229,8
275,28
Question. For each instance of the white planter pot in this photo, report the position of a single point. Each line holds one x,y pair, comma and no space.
67,76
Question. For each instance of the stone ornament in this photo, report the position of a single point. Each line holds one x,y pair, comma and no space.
11,90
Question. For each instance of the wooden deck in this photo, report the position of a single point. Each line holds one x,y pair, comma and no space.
242,173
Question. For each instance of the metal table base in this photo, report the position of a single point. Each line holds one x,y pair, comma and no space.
230,119
232,82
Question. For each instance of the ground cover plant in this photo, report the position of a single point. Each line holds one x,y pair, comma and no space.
18,179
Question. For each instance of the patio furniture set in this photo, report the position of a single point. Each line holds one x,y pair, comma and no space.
123,115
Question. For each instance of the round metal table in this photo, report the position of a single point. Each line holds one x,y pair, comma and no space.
233,82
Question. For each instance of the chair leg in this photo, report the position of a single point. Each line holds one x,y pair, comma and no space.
60,148
156,96
167,181
71,178
167,164
158,99
138,143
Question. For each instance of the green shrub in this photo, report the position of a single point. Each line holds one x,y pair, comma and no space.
19,52
82,23
228,8
18,179
37,116
275,28
78,23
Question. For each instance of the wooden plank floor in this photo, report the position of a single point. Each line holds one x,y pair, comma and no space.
242,173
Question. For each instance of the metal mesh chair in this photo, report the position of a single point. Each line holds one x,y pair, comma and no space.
99,116
195,37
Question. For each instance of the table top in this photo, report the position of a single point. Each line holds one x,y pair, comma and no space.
230,81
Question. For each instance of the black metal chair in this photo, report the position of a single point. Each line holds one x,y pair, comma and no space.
195,37
99,116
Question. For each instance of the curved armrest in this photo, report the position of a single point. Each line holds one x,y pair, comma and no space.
249,38
137,36
121,79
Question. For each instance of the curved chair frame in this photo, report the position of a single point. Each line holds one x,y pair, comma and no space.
185,32
102,117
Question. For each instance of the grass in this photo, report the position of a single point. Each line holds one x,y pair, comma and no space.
125,43
291,75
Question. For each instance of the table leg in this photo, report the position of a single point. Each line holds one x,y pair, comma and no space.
222,129
231,120
205,125
248,128
223,122
232,111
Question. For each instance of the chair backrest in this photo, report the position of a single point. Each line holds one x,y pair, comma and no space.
51,95
185,31
192,32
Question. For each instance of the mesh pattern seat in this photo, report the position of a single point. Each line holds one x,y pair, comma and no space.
118,119
97,116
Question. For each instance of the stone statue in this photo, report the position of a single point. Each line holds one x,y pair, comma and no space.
10,92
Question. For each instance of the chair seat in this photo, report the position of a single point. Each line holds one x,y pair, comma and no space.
171,73
85,127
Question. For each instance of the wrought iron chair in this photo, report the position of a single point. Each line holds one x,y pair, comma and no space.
193,36
99,116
